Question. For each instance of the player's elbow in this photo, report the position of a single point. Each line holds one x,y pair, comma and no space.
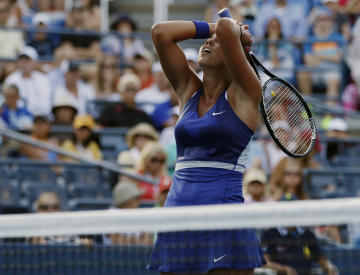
158,31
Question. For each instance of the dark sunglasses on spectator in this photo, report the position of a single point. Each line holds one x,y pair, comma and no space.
49,206
158,160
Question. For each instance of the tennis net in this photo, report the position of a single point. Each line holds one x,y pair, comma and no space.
120,241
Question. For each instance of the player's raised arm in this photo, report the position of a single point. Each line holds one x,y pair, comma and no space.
165,36
234,38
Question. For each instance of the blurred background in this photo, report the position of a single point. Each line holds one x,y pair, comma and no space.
83,76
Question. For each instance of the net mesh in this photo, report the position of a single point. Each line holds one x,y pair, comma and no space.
295,233
287,117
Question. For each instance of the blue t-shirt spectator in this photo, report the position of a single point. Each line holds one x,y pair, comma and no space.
162,114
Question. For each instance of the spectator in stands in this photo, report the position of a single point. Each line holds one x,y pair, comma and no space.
83,141
254,186
277,54
124,45
287,178
107,76
292,250
212,8
158,93
75,88
64,110
125,113
192,58
337,131
162,116
40,131
15,117
167,139
142,64
263,152
33,85
351,94
152,164
11,40
291,15
127,196
163,190
323,57
137,137
79,20
40,40
49,202
246,11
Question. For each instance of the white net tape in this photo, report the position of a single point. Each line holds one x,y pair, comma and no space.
231,216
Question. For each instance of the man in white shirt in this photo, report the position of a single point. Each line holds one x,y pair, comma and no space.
75,89
157,93
33,85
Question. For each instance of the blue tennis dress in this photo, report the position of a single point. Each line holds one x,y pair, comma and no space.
211,155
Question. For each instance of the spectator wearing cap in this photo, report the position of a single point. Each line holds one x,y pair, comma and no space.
162,116
336,132
11,40
82,140
293,250
14,116
41,132
124,44
255,186
43,42
136,138
142,66
33,85
158,93
192,58
75,88
64,110
124,113
127,196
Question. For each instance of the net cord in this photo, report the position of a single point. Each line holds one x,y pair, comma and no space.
229,216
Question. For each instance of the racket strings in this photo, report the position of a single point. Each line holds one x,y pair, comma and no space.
287,117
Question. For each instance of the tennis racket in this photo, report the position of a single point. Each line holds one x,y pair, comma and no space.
286,114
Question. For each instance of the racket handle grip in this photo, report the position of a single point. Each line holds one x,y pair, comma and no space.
224,13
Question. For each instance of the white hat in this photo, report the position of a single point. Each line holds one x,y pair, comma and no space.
191,54
125,191
254,174
30,52
156,67
282,124
128,78
338,124
41,18
64,100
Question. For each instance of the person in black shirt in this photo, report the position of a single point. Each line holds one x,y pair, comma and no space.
124,113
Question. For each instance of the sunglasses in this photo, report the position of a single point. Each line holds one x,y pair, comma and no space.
158,160
49,207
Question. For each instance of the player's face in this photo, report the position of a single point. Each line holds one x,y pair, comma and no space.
210,53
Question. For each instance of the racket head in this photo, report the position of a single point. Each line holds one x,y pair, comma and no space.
287,118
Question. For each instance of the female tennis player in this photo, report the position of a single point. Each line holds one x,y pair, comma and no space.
218,118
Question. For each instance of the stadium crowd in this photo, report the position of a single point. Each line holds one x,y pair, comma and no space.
55,63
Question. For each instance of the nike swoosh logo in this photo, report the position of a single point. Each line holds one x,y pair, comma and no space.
218,259
215,114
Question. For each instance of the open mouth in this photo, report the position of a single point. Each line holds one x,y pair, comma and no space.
206,50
